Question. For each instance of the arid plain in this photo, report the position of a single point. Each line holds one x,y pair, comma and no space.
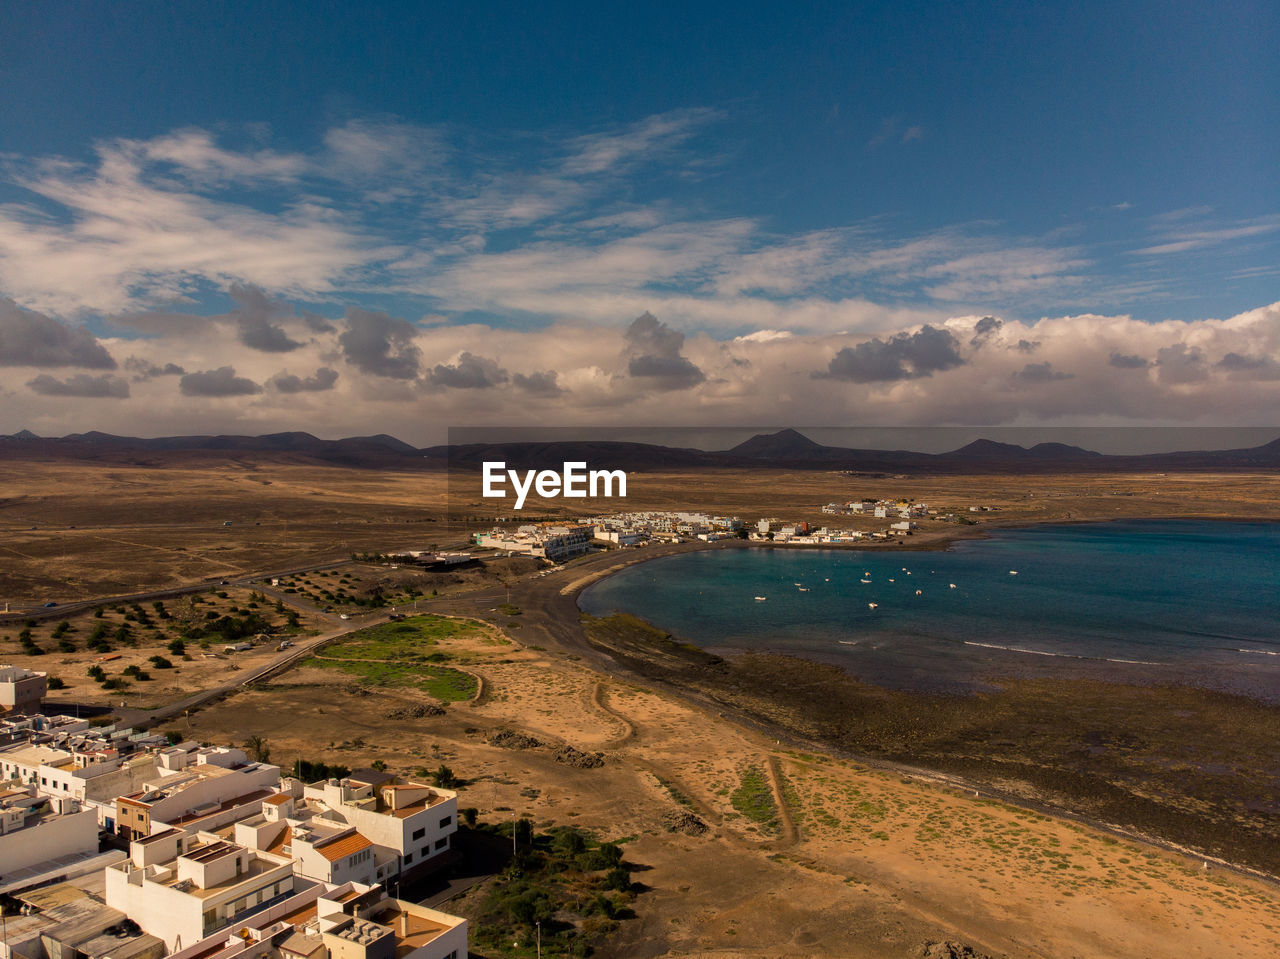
810,849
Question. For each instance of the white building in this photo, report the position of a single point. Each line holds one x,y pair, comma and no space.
198,788
22,690
182,887
347,921
35,830
413,822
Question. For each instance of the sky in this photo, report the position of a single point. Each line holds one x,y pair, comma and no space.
362,218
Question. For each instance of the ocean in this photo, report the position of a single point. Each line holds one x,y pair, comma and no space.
1182,601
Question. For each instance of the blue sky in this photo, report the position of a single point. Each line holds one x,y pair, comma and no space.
736,170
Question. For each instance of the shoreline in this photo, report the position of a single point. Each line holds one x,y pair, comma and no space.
765,709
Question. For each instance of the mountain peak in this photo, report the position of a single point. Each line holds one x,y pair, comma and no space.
784,443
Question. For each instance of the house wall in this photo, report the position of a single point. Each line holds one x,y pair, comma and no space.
67,835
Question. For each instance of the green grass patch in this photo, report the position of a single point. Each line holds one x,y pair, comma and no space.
408,640
754,797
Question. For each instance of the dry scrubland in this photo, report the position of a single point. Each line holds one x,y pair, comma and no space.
75,530
805,854
140,651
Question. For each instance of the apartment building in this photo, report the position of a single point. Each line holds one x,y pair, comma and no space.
347,921
198,788
413,822
22,690
182,887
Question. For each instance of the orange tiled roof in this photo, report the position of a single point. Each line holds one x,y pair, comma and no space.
279,799
343,847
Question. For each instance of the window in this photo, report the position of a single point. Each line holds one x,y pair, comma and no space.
418,834
445,821
408,858
442,843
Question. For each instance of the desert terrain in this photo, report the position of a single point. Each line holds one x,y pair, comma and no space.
73,530
755,826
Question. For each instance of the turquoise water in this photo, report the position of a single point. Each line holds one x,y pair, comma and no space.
1177,601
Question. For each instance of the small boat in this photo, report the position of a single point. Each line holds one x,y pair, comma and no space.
866,580
761,599
797,584
872,605
804,589
919,592
891,581
952,585
1013,572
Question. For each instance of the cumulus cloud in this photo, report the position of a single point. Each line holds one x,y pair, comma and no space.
323,379
468,373
253,315
653,354
538,384
220,382
1041,373
984,328
1249,366
1027,346
904,356
103,386
143,369
28,338
380,344
1181,363
1127,361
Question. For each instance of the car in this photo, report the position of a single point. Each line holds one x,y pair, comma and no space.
50,605
343,616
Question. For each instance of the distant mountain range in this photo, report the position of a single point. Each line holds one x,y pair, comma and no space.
784,449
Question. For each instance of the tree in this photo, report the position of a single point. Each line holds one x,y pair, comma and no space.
258,749
444,777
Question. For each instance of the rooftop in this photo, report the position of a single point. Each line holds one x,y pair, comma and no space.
343,846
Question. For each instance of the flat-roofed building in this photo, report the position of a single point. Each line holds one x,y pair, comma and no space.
35,830
181,887
412,821
22,690
197,789
348,921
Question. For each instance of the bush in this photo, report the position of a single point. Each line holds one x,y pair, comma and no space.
56,683
159,662
606,857
618,879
